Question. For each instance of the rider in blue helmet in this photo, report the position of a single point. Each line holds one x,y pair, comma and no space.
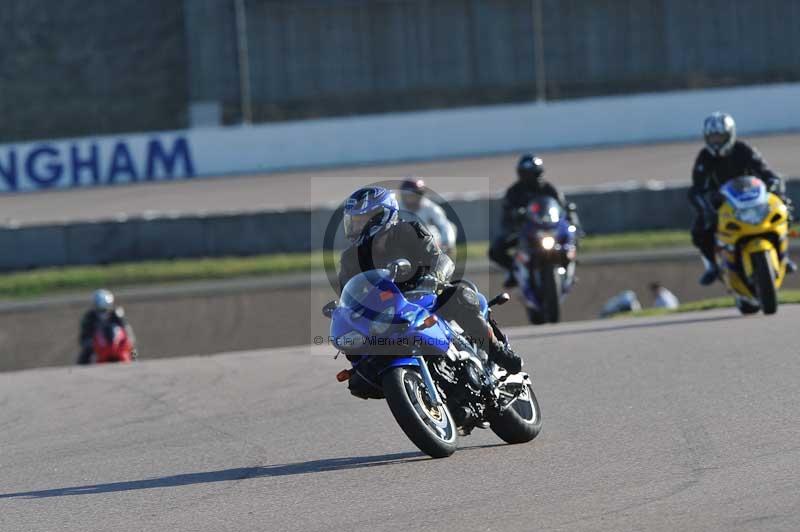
378,237
367,210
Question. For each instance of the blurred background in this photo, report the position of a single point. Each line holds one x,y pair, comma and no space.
75,68
212,119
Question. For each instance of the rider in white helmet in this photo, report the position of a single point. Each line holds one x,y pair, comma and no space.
414,205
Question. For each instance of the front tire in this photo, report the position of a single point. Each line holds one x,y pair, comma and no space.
746,308
521,422
430,428
535,317
551,293
764,281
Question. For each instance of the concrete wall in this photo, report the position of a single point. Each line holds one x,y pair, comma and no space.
391,137
601,211
223,320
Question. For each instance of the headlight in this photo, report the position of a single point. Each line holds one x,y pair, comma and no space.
382,321
548,242
752,215
351,340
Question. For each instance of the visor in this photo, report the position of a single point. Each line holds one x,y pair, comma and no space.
354,224
717,140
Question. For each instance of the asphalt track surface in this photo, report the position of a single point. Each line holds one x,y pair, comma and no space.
669,162
679,423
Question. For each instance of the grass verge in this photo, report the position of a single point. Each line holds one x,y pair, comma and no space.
54,280
785,297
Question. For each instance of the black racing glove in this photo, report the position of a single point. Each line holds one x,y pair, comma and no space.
428,283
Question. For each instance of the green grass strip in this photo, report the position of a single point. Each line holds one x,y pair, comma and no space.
54,280
785,297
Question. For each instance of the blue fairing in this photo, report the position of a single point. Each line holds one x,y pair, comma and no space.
484,305
401,362
379,328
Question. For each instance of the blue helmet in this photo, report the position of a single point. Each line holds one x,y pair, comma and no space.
368,210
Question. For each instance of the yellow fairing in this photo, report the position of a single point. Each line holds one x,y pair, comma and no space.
730,230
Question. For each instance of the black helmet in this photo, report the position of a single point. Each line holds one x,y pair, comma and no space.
530,169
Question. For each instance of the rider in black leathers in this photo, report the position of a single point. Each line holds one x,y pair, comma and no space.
531,184
722,158
383,239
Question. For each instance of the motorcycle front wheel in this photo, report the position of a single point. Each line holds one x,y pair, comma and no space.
764,280
521,421
429,427
551,293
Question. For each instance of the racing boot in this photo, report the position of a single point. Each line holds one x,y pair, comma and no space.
791,266
711,274
502,355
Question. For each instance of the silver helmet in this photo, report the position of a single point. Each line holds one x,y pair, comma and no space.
719,132
103,300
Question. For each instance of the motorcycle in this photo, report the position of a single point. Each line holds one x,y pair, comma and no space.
439,384
111,344
544,263
752,243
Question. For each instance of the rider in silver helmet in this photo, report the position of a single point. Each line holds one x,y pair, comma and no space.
103,312
723,157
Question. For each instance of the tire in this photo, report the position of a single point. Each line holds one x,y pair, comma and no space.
404,391
551,293
763,279
746,308
521,422
536,317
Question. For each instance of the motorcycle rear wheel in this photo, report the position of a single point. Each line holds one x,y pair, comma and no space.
764,281
430,428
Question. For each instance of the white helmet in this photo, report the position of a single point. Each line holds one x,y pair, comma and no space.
719,132
103,300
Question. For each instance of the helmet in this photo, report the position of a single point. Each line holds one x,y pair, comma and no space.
411,191
103,300
719,132
413,184
367,211
530,169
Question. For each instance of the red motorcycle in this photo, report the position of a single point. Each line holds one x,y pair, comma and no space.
111,344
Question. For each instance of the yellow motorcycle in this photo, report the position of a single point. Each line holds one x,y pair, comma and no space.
752,244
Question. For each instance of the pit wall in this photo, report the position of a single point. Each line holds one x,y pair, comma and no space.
215,151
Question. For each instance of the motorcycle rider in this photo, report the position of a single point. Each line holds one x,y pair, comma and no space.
378,236
102,313
413,201
531,184
721,159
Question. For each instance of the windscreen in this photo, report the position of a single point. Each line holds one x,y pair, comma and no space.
545,211
357,291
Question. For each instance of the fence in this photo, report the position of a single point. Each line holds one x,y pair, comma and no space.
70,68
309,58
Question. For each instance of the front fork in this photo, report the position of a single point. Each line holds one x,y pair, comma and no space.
430,387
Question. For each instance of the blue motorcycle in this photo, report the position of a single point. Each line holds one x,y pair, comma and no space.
438,383
544,264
